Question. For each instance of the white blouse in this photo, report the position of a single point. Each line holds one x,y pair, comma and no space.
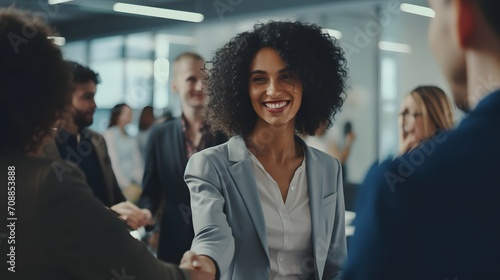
288,224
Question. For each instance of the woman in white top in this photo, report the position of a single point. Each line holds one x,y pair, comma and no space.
264,204
124,152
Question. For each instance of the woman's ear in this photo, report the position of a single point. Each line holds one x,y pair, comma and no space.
466,18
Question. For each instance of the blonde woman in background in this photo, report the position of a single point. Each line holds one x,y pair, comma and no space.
425,111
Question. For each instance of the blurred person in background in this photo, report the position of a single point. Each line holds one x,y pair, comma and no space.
61,230
425,111
146,122
431,213
325,141
170,146
124,152
82,147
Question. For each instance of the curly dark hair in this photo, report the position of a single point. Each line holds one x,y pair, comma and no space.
34,81
308,51
82,74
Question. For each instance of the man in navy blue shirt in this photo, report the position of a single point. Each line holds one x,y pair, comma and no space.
433,213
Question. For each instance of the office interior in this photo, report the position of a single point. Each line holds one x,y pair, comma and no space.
385,44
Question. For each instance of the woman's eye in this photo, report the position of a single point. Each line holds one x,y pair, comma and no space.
259,79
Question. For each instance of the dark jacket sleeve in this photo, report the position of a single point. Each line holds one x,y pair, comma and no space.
88,241
151,192
117,192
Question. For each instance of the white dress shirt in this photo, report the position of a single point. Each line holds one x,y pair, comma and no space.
288,224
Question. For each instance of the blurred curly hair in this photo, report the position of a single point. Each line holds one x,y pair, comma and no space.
308,51
35,83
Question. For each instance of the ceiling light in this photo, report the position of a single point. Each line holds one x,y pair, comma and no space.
60,41
394,47
333,33
417,10
55,2
157,12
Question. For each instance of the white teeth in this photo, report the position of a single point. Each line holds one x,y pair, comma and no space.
278,105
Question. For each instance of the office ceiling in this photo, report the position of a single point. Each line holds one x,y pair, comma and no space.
80,19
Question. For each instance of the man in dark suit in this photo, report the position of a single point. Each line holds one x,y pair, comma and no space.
170,145
82,147
433,213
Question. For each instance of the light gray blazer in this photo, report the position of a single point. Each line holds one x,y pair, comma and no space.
229,222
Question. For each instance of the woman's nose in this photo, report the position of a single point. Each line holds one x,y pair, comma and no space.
273,90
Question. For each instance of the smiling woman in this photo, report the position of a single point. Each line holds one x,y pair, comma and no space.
265,192
275,91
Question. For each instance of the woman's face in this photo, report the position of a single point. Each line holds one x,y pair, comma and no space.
125,116
275,91
414,125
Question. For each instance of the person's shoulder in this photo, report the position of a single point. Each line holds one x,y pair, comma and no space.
92,134
214,153
424,169
43,169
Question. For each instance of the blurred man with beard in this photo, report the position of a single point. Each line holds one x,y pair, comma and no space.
82,147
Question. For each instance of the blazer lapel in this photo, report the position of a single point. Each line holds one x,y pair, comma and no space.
181,144
315,180
244,179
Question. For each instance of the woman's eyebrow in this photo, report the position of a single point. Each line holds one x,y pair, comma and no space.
258,72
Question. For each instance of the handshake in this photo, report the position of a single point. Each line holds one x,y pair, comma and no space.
134,216
200,267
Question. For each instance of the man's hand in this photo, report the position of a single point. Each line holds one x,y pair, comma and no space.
192,261
132,215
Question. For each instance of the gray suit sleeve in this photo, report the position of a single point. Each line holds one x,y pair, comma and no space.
213,236
87,240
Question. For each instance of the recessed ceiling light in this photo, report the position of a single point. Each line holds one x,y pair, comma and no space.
394,47
417,10
55,2
157,12
334,33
